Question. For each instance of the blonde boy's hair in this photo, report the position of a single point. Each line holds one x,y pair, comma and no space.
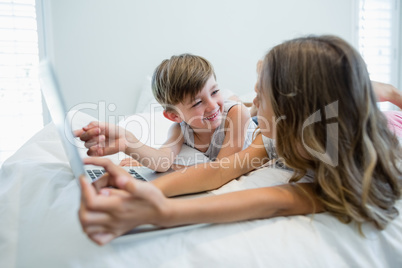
180,77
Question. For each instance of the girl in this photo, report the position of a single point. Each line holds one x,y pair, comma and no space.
315,98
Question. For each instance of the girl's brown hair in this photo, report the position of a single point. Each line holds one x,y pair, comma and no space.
331,125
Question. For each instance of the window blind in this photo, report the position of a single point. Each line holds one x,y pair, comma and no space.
20,97
379,39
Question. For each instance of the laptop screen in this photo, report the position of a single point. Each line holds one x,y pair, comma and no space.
57,109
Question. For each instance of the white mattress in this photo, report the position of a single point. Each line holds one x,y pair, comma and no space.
39,227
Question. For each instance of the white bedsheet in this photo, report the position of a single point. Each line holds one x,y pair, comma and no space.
39,227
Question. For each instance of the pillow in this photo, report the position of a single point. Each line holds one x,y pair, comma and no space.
146,101
150,128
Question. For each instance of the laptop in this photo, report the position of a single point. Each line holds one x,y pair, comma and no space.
58,112
55,103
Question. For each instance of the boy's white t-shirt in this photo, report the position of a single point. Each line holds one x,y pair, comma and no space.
219,134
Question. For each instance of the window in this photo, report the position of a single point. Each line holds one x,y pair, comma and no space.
20,97
379,40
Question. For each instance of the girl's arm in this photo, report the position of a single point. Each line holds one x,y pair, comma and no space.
236,126
387,92
113,212
158,159
260,203
212,175
205,176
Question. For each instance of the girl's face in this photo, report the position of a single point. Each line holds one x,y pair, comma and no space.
265,113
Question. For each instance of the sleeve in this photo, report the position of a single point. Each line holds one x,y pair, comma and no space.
269,145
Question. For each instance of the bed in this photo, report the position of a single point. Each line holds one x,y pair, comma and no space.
39,226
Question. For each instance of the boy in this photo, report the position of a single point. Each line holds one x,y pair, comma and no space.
186,87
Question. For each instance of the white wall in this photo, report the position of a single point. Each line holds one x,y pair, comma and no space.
103,49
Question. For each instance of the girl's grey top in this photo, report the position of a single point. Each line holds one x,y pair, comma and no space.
276,162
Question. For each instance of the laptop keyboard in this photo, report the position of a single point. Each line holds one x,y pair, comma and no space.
96,173
136,175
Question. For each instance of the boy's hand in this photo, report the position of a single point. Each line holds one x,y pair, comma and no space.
102,139
113,212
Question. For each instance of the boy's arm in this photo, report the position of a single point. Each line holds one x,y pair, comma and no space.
236,126
158,159
105,139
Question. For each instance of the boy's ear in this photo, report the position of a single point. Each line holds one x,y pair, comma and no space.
172,116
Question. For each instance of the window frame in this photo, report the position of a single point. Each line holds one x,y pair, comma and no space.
396,40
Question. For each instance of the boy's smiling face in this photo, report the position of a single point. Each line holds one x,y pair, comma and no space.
205,110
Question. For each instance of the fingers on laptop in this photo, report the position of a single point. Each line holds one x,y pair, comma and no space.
94,202
116,176
116,192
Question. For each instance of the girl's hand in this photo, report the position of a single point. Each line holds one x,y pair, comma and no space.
387,92
113,212
383,92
